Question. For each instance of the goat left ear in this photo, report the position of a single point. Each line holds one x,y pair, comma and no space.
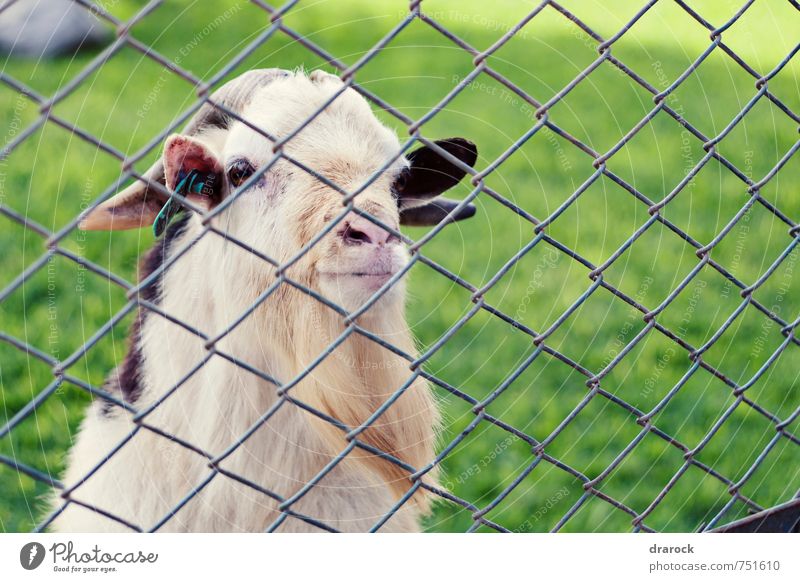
428,176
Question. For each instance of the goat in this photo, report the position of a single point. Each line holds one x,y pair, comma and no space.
215,280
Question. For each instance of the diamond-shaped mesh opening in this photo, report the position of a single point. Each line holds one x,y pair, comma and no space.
776,190
694,96
44,188
578,444
754,250
750,151
553,169
762,23
627,483
584,225
538,499
597,515
485,463
391,72
557,49
656,362
781,374
53,299
442,304
653,265
602,107
782,455
451,251
610,341
699,495
198,41
139,98
699,310
600,19
597,331
745,346
704,396
538,395
540,287
734,448
648,47
705,200
478,378
657,158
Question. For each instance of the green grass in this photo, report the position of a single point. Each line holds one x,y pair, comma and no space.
54,174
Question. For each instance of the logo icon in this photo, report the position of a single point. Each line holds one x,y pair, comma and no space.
31,555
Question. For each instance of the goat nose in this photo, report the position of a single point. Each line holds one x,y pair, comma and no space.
359,231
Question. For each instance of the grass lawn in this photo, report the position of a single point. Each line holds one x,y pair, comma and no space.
54,174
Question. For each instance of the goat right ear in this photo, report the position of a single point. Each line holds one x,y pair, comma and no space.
183,155
136,206
139,204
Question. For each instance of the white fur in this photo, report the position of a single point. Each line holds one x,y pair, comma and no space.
210,287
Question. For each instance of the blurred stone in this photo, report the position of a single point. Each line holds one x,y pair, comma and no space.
48,28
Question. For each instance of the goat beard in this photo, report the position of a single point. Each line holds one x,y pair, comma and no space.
353,381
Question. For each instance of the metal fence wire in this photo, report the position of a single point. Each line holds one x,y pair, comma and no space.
540,455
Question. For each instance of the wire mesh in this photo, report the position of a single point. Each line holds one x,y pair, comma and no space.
544,119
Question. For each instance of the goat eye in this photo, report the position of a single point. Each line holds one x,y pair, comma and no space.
239,171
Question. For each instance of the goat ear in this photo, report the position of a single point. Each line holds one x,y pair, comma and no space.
136,206
434,212
429,174
182,155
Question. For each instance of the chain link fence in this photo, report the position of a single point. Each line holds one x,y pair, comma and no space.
544,120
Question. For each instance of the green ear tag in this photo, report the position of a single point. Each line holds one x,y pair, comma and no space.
191,183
